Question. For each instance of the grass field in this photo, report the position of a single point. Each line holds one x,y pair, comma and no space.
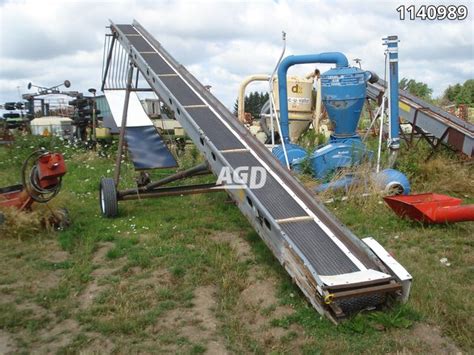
189,275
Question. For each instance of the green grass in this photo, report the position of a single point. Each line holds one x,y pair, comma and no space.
164,250
14,320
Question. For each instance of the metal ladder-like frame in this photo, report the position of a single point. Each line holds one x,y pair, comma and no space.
326,294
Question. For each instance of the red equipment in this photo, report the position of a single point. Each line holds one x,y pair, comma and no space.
431,208
41,184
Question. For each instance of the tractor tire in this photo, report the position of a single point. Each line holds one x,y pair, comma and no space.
108,198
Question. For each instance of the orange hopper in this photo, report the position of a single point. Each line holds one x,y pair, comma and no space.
431,208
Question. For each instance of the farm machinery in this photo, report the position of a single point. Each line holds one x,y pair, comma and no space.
41,175
339,273
342,90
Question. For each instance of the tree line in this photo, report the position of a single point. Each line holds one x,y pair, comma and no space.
253,103
455,95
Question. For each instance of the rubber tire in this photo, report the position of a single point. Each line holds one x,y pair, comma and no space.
108,198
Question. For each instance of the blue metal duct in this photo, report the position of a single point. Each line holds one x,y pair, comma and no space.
392,49
330,57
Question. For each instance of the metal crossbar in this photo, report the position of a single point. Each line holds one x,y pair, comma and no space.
307,240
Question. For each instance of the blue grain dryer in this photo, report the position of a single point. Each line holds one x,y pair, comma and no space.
343,94
343,90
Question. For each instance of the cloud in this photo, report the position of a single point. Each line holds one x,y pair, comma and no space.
221,42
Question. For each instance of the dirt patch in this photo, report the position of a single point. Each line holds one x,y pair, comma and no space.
6,298
57,337
258,306
7,344
101,254
32,277
50,339
92,290
204,307
50,280
237,243
198,324
215,348
57,256
103,269
159,277
434,340
25,271
36,309
97,345
52,252
260,293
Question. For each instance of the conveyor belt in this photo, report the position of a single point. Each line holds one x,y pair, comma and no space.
279,203
307,240
451,130
146,147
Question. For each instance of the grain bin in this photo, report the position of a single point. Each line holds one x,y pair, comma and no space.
300,104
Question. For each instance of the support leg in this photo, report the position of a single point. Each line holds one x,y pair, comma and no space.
436,145
123,126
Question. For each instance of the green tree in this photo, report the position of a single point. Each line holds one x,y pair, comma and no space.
253,103
460,94
452,91
416,88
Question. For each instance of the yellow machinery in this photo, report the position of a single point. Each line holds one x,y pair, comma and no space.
301,104
102,133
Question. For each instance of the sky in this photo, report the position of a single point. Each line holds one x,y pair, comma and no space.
222,42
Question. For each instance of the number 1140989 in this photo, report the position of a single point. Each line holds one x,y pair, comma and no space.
433,12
